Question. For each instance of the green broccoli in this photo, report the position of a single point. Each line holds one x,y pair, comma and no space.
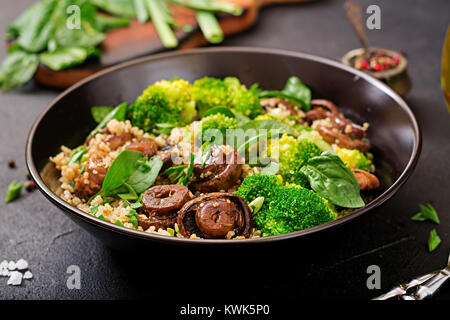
354,159
219,122
293,154
285,208
212,92
164,102
314,136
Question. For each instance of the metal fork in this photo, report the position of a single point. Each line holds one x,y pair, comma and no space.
421,287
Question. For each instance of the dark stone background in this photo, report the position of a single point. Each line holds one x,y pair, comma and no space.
332,265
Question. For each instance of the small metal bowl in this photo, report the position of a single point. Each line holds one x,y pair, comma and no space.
397,78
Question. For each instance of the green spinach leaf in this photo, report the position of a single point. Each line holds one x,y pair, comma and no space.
35,33
17,69
118,113
294,91
121,8
100,112
66,57
330,178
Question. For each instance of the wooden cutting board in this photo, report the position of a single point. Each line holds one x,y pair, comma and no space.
139,40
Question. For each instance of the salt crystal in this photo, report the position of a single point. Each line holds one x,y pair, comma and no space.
12,265
3,264
21,264
15,279
28,275
4,272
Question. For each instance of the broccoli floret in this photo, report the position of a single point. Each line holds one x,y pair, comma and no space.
219,122
293,154
354,159
285,208
243,100
314,136
212,92
164,102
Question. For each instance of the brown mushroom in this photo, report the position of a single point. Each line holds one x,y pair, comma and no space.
115,141
338,129
164,199
272,103
332,135
157,221
147,146
91,181
366,180
220,172
215,215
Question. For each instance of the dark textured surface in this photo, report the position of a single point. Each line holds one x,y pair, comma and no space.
330,266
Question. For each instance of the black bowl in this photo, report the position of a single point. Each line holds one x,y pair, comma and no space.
394,133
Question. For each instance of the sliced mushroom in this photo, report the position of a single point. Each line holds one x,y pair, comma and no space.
220,172
366,180
147,146
334,136
164,199
157,221
215,215
338,129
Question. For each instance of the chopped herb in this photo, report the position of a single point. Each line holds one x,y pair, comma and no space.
426,213
177,229
171,231
102,217
433,241
72,184
13,191
77,154
94,209
83,168
119,223
136,205
185,180
133,217
256,204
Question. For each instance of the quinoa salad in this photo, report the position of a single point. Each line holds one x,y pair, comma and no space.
216,159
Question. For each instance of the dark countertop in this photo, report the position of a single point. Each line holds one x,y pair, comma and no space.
332,265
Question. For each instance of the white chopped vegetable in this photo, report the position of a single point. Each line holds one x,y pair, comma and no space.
12,265
21,264
28,275
15,279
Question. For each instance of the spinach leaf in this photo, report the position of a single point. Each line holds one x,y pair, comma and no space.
330,178
87,36
118,113
294,91
65,57
100,112
15,28
223,110
36,31
105,23
121,8
17,69
130,174
145,175
121,169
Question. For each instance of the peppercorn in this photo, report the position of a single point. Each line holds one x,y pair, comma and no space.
30,186
11,164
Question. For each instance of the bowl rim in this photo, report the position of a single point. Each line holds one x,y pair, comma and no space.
76,213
